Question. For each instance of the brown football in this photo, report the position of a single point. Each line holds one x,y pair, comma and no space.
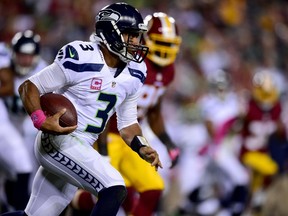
52,103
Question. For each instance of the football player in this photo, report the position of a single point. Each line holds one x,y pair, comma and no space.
26,61
14,172
99,78
18,137
163,41
219,108
262,124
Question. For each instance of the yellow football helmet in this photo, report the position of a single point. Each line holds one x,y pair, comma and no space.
264,90
162,38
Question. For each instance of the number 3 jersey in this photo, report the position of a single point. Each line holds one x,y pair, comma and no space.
96,90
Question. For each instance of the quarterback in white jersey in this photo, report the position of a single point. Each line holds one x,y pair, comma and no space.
99,79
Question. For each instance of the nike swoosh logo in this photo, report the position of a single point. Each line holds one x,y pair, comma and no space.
71,54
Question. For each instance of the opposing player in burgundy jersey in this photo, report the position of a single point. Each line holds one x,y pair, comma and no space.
262,121
163,41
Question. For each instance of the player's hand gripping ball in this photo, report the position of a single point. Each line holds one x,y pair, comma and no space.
52,103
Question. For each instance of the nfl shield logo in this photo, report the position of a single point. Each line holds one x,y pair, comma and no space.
96,84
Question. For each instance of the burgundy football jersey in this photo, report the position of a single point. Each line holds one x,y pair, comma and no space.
158,78
258,126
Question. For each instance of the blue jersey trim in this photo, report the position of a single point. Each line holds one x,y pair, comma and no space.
71,52
87,67
70,164
138,74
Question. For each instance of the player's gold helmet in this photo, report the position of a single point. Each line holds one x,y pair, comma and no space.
162,38
264,90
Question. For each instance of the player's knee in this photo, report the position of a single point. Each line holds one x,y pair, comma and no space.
118,192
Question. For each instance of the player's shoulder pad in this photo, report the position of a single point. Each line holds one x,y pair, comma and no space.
76,50
138,70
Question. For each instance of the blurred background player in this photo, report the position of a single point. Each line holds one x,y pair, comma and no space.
263,135
145,186
221,109
26,61
164,43
19,137
14,172
219,184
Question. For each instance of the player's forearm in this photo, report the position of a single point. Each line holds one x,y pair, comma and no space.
30,96
157,125
128,133
156,122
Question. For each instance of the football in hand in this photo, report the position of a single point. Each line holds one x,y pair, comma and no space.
52,103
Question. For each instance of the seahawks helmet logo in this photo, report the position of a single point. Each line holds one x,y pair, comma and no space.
108,15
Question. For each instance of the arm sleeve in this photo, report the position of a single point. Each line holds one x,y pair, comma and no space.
127,112
49,79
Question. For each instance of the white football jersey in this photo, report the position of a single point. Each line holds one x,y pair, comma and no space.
14,103
5,55
95,90
219,110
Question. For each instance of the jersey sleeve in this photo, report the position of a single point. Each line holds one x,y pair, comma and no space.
49,79
65,55
58,73
77,57
127,111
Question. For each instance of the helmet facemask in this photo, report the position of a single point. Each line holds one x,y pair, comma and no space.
265,91
162,39
132,51
163,51
21,69
219,83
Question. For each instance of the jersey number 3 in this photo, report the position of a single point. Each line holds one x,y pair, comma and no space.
103,114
